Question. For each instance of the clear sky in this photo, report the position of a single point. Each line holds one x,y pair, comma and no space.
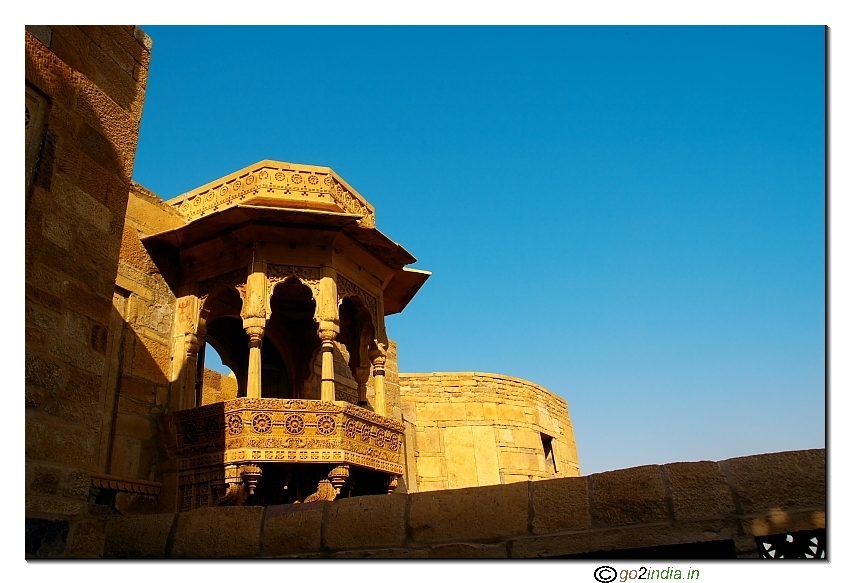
632,217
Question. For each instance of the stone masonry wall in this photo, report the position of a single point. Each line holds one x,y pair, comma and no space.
636,508
85,87
218,387
145,366
477,429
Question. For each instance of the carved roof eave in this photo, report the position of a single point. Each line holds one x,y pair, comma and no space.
207,227
404,284
319,185
372,240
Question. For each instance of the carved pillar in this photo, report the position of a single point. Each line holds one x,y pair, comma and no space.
378,356
328,316
190,372
361,375
255,364
254,321
328,384
189,332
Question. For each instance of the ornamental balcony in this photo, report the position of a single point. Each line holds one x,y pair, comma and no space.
276,451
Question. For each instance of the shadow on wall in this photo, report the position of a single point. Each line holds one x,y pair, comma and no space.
84,92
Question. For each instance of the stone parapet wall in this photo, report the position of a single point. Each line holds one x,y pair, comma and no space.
476,429
644,507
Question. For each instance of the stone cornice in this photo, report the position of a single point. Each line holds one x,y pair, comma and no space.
292,185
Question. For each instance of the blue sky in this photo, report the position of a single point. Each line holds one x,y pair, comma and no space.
632,217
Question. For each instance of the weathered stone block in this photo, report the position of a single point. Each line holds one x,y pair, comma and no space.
780,480
469,514
629,496
134,425
53,505
43,479
44,70
77,485
223,532
138,537
633,537
43,373
49,442
698,490
561,504
150,359
292,529
366,522
430,467
87,539
83,387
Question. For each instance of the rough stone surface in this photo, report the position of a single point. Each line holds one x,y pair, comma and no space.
634,537
292,529
365,521
469,514
698,489
138,537
629,496
36,505
779,480
561,504
210,533
87,540
77,485
83,145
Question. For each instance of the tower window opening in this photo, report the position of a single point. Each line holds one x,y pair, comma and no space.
548,453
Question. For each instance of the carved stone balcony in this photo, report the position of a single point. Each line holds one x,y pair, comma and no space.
215,443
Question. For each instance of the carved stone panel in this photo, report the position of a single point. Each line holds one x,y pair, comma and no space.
283,430
309,276
286,182
347,288
236,279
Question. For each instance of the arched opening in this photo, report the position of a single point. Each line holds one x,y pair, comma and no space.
218,382
356,332
227,337
291,343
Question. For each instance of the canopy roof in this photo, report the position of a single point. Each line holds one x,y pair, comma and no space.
272,195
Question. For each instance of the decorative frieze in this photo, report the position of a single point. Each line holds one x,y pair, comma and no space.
300,183
121,484
284,430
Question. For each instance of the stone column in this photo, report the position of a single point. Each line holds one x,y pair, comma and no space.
255,364
378,356
189,332
190,371
328,316
328,383
361,375
254,322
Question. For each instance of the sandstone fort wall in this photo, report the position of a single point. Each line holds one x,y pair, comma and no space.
704,508
478,429
85,88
